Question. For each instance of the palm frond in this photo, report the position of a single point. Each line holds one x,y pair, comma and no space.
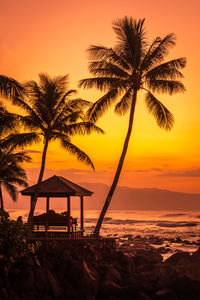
131,39
158,51
78,104
57,84
60,104
100,106
104,68
21,156
66,118
31,123
8,122
163,116
81,128
19,140
11,189
101,83
165,86
123,105
71,112
18,181
9,87
80,155
101,53
27,108
168,70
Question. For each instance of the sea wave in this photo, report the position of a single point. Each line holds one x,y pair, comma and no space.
175,215
112,221
177,224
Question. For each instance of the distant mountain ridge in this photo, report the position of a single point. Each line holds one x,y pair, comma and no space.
141,198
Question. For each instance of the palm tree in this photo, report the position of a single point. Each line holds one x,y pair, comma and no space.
11,173
132,65
10,87
53,116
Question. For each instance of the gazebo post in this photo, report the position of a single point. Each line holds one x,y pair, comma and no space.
47,204
31,205
81,206
68,213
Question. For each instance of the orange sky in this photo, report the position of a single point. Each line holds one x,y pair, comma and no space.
52,36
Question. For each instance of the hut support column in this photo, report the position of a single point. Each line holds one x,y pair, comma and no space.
69,214
81,206
31,206
47,205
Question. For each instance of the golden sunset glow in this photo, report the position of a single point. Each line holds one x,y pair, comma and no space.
52,37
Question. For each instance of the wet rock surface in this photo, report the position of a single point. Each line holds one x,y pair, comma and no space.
100,270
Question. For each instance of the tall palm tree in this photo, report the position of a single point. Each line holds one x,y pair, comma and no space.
12,173
52,115
132,65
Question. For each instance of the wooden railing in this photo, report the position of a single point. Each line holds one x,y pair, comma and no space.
42,231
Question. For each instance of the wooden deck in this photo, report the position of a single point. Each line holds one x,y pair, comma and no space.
50,234
64,239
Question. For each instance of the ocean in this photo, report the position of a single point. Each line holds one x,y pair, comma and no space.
170,225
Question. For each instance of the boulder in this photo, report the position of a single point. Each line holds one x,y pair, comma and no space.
147,257
155,240
165,294
179,258
112,274
164,250
110,288
54,285
186,288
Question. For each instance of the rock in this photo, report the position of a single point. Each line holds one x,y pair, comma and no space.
146,257
186,288
139,238
128,236
196,254
155,240
164,250
165,294
130,292
178,240
110,288
54,284
166,273
113,274
179,258
186,242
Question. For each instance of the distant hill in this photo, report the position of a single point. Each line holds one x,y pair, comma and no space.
145,198
125,198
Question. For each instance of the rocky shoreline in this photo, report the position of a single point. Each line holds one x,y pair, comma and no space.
102,270
166,246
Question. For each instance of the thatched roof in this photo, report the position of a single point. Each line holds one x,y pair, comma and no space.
57,186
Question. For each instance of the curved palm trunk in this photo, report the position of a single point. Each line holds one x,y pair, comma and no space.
1,199
119,168
34,201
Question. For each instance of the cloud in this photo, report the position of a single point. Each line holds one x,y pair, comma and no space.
32,151
143,170
181,173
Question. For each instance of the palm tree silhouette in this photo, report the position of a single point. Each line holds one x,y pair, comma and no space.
122,71
52,115
11,173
